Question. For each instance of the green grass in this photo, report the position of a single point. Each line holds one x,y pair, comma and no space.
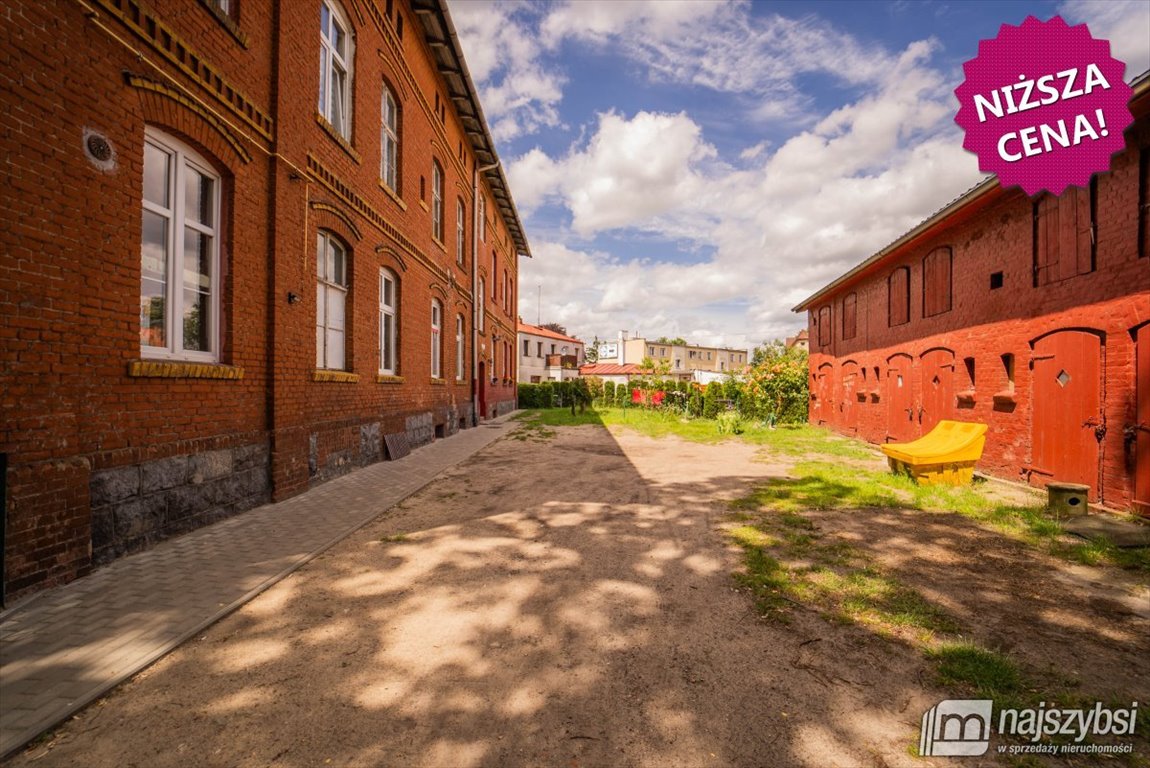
394,539
967,667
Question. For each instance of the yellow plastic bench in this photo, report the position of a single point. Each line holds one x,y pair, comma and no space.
944,456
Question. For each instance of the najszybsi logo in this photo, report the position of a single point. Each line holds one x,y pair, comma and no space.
962,727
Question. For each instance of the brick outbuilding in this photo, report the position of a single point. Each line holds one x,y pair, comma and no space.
247,247
1031,315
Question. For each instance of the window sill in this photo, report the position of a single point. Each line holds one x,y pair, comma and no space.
155,369
439,243
393,195
438,382
335,377
226,21
423,205
1005,397
343,143
387,378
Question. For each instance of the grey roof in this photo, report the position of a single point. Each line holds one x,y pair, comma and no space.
439,32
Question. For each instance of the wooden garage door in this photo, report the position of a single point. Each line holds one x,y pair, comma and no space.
1067,398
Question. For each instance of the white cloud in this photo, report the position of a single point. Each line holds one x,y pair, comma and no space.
1125,23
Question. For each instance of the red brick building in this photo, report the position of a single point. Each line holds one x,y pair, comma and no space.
1032,316
243,243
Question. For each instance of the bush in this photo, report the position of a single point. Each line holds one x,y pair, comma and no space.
712,400
776,386
622,395
608,397
730,423
546,395
695,402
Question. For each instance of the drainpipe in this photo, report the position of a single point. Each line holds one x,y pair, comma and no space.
475,302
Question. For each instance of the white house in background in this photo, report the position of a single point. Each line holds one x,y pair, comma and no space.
545,355
683,361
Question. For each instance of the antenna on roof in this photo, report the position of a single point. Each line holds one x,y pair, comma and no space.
539,305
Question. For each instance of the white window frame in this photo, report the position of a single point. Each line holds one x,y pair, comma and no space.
180,159
460,236
436,339
389,141
483,218
388,351
436,201
459,348
331,60
331,282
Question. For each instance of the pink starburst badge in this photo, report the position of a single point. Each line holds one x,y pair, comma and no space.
1044,105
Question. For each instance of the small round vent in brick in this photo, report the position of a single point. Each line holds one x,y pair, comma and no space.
99,150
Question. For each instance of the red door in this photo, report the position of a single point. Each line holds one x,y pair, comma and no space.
937,388
824,387
1067,400
1142,425
848,417
901,424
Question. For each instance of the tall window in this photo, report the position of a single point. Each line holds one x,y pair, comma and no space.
388,300
824,325
898,296
436,339
482,308
179,252
526,347
460,368
850,316
482,219
389,142
436,201
1064,235
335,53
460,238
936,282
330,303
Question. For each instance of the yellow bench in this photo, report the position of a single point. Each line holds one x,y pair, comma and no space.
944,456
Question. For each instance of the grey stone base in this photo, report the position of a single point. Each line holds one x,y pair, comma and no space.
137,506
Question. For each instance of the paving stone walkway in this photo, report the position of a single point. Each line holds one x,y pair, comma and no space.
67,646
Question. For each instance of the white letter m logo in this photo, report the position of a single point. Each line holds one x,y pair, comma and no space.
956,727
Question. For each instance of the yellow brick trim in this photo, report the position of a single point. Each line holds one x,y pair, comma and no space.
439,382
392,194
340,377
388,379
160,370
338,138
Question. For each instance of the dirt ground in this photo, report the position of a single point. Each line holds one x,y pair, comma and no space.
568,601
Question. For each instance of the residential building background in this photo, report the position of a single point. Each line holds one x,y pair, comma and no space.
683,359
546,355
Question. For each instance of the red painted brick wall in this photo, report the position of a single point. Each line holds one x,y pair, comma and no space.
70,265
997,235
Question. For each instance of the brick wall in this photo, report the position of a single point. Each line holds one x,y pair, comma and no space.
83,413
995,236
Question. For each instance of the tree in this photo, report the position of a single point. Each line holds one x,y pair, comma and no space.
776,388
591,351
768,352
675,342
555,327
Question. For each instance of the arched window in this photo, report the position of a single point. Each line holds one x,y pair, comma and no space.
331,302
388,311
436,339
179,252
389,142
335,67
436,200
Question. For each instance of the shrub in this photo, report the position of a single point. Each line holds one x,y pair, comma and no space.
608,393
695,402
777,385
730,423
712,400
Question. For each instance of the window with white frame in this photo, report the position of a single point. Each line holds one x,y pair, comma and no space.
388,301
389,141
436,201
335,67
482,219
436,339
482,307
330,303
460,239
179,252
460,367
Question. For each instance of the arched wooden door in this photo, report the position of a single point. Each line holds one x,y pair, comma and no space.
937,388
901,424
824,393
1067,419
848,416
1141,423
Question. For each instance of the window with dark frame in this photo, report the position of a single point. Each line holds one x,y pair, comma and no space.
1064,235
936,281
850,316
825,328
898,297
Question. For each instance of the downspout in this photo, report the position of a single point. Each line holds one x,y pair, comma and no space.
475,302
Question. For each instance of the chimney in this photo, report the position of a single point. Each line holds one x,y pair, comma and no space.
622,353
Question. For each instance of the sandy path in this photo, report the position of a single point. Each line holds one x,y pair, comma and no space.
566,602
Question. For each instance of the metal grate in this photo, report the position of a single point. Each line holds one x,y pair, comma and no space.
397,445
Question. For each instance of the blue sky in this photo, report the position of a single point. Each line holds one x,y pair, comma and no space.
696,168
